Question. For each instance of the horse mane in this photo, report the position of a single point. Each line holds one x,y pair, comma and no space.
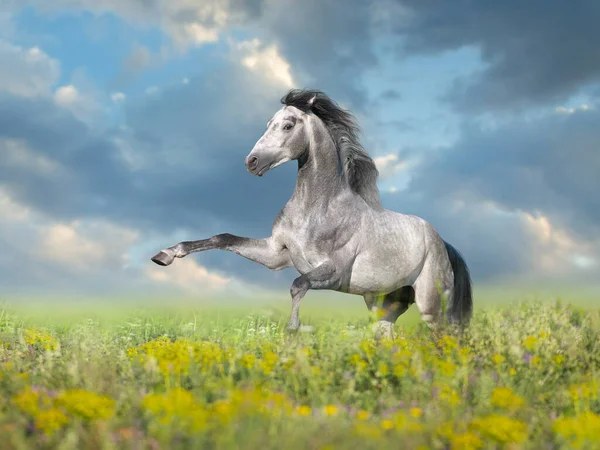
358,168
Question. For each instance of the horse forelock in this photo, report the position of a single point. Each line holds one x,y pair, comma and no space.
358,168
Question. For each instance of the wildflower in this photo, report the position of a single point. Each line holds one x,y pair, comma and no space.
248,360
50,420
330,410
449,395
304,410
383,369
28,401
178,405
512,371
501,428
579,430
530,342
558,359
86,405
362,415
447,368
416,412
387,424
466,441
36,337
268,362
503,397
498,359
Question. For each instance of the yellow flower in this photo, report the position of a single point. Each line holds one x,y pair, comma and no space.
447,368
558,359
579,430
268,362
416,412
304,410
449,395
530,342
498,359
87,405
503,397
362,415
42,338
383,369
330,410
171,356
179,405
50,420
248,360
466,441
28,401
512,371
387,424
501,428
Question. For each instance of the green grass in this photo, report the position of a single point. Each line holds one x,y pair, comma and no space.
222,375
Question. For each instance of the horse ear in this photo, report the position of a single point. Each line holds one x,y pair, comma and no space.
312,101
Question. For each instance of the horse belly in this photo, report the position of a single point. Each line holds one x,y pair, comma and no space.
369,277
378,274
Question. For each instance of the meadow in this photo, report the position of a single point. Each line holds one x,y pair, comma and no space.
524,375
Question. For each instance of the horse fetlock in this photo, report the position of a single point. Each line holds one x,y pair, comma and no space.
383,329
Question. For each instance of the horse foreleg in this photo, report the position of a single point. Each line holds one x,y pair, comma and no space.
324,276
267,252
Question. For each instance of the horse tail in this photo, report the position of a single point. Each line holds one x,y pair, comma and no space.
460,307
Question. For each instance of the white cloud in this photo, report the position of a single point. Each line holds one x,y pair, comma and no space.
78,246
571,110
26,72
16,153
82,104
67,95
556,249
186,274
264,59
117,97
389,165
85,245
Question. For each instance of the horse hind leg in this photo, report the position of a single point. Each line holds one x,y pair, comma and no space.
428,298
393,306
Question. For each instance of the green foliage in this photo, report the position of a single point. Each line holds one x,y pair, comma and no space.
526,376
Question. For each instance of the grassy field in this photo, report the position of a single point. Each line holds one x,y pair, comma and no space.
525,375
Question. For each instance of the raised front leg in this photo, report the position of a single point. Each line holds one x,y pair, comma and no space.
324,276
267,252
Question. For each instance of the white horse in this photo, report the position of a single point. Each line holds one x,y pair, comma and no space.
334,230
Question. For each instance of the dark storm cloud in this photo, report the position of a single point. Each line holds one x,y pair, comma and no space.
548,167
537,51
329,41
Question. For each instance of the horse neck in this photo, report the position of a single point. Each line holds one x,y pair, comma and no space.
319,176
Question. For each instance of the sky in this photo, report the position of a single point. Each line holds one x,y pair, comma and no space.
124,125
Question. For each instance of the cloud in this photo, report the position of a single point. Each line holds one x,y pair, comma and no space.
539,54
188,275
257,57
26,72
389,165
519,198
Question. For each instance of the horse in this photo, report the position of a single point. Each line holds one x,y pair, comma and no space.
334,229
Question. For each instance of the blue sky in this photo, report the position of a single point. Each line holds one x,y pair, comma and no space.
124,126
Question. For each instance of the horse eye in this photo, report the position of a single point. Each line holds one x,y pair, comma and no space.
288,126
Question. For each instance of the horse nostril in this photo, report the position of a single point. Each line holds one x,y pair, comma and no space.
252,162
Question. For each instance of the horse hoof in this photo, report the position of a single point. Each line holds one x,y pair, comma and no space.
162,258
